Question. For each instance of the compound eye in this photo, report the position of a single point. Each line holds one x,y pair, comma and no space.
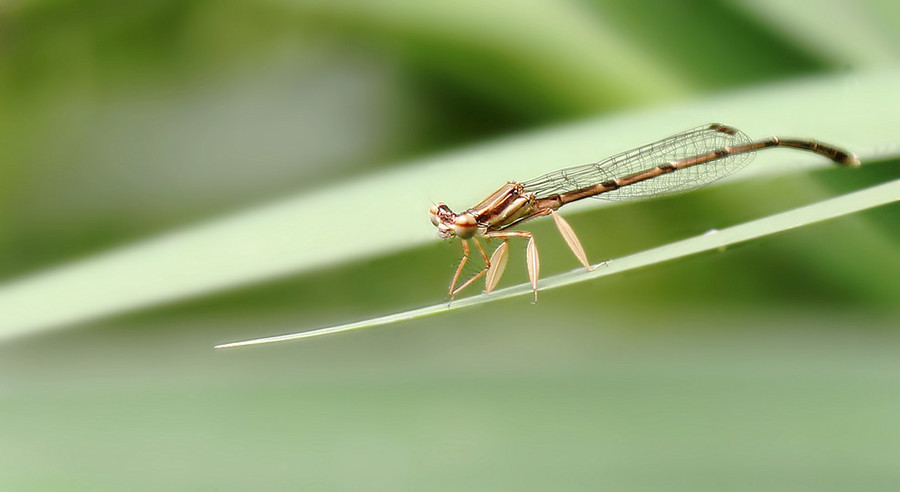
465,221
436,211
465,226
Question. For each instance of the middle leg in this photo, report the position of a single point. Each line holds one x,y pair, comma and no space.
531,258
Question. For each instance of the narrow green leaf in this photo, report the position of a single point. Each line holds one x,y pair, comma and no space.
810,214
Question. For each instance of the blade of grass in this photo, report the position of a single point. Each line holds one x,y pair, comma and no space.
300,234
580,61
799,217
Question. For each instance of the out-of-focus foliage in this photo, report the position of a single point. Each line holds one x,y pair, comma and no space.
769,366
124,119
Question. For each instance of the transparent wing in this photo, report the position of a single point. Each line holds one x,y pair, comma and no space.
698,141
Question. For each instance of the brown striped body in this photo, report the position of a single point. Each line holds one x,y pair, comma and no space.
513,203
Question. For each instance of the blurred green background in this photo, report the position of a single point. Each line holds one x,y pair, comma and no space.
769,366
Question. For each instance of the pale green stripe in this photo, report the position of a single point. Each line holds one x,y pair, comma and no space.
385,213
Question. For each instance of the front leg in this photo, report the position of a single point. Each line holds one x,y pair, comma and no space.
487,264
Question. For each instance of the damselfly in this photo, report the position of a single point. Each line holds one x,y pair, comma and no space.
682,162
